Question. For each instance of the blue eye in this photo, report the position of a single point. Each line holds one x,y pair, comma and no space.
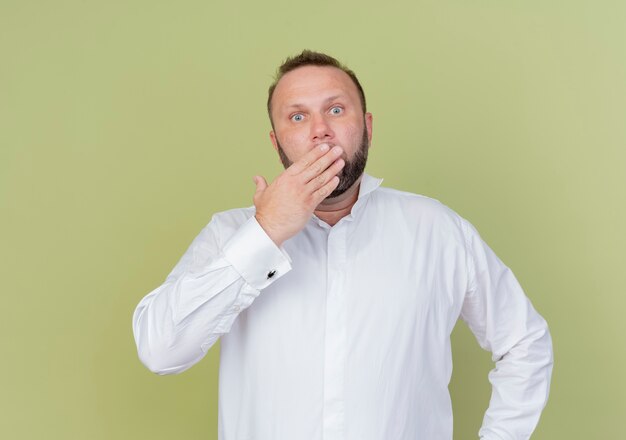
336,110
297,117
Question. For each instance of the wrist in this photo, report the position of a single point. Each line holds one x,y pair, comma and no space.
275,236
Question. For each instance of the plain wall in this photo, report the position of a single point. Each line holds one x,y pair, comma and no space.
125,125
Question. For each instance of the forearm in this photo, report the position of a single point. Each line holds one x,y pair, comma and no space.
504,322
520,387
177,323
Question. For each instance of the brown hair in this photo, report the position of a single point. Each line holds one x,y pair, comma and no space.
310,58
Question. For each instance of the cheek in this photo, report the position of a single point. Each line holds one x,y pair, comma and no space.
293,142
352,134
293,137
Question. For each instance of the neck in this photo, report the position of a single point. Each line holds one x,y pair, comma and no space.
334,209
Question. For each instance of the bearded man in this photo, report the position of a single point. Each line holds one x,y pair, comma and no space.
334,298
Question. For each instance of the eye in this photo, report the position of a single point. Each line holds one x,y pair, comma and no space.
336,110
297,117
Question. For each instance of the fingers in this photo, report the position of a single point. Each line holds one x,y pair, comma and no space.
308,159
260,183
321,193
322,179
316,168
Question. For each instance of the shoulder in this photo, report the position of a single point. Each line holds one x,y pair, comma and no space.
233,218
415,206
419,214
424,217
224,224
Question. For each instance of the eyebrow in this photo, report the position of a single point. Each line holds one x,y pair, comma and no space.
326,101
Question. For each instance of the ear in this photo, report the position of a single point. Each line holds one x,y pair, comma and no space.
368,125
273,139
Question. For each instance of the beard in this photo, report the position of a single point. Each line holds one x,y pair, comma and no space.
351,171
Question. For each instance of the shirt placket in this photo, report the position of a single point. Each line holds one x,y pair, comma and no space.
335,343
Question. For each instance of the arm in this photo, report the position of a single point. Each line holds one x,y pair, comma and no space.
505,323
176,324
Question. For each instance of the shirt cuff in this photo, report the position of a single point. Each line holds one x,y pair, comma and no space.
255,256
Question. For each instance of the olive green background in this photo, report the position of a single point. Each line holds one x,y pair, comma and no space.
125,125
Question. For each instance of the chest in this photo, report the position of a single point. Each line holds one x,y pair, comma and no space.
378,276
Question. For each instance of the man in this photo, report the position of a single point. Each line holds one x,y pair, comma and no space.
334,298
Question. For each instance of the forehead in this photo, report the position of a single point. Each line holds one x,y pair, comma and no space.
309,84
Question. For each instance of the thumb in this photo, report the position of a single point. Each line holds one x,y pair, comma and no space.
261,184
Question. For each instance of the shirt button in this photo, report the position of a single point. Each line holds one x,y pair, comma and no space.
237,308
270,274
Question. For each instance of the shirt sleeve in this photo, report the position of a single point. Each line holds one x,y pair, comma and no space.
504,322
176,324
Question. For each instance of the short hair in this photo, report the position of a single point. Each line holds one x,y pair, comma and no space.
311,58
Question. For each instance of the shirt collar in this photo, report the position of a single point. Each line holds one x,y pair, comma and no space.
367,185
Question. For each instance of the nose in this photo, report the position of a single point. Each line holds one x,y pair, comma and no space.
321,129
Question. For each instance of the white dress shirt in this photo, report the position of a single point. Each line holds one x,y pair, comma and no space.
343,333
